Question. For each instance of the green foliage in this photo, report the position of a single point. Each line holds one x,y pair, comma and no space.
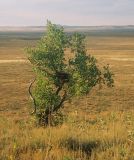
58,78
67,158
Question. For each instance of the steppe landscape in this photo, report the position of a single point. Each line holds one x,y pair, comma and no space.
99,126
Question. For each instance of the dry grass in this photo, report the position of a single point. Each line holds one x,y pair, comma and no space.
99,126
103,136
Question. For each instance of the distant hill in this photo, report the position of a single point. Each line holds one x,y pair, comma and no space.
127,31
67,28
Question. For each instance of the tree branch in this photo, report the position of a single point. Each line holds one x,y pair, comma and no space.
33,99
61,102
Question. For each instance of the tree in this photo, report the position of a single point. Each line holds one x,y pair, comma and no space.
59,78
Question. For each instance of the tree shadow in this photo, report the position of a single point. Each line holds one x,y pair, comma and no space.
85,146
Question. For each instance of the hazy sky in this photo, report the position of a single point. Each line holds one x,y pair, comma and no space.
67,12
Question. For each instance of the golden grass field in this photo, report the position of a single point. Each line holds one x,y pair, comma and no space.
98,127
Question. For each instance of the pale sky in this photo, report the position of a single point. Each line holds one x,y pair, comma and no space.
66,12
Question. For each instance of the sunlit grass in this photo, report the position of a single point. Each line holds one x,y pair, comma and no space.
98,127
110,135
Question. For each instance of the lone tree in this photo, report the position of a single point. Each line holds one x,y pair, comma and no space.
60,78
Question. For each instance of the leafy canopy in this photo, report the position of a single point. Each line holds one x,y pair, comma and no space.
59,78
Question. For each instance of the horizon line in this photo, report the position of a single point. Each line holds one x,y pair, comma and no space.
114,25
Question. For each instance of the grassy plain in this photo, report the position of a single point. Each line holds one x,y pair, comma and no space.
99,126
